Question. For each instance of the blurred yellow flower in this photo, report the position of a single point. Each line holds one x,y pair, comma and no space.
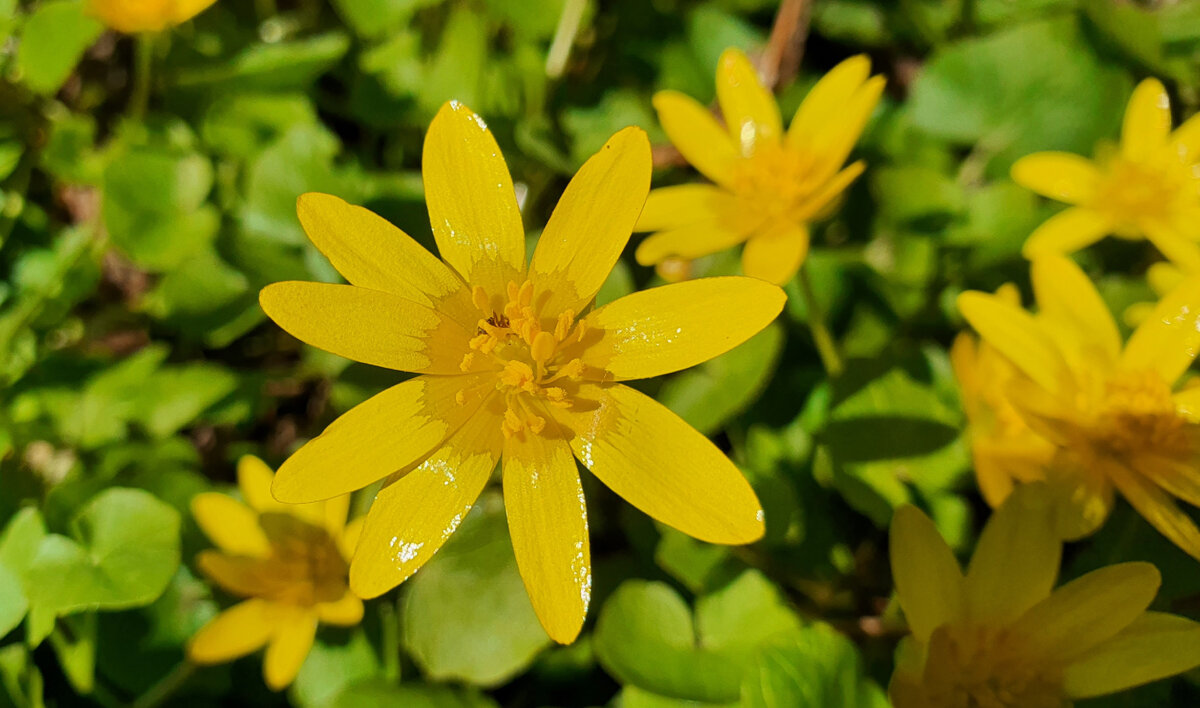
289,562
1110,411
1149,187
1005,450
135,16
1162,277
1001,636
769,185
511,367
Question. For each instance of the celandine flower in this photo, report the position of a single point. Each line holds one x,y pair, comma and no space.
1111,412
769,185
1149,187
1001,636
289,562
512,366
134,16
1005,450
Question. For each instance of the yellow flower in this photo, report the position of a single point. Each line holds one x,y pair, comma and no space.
512,366
135,16
1001,636
1162,277
289,562
1004,448
1149,187
1111,412
769,185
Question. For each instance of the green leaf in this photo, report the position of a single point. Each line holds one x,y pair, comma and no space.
816,668
987,90
154,206
54,39
13,603
74,643
708,395
634,697
456,70
284,66
645,636
332,667
378,18
124,552
378,693
472,589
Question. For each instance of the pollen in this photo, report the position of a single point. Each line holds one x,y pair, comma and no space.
1137,415
979,666
528,353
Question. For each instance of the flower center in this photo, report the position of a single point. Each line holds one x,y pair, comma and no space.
1136,413
532,364
1132,192
305,565
774,178
982,667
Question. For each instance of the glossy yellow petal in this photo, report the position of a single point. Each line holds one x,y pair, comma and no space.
1016,561
391,430
688,204
698,239
547,517
371,253
1174,244
839,137
929,581
289,647
1179,478
1059,175
1157,507
230,524
825,103
1168,341
1185,141
413,516
661,465
236,632
348,541
696,134
1147,123
591,224
1066,232
471,200
254,482
1088,610
818,204
1082,499
776,254
665,329
370,326
1164,277
1155,646
333,513
1074,311
1016,335
344,612
181,11
239,575
905,690
750,111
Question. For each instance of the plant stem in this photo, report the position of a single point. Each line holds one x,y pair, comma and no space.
143,67
564,37
389,618
826,347
158,694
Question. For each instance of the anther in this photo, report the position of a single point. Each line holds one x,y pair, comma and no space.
543,347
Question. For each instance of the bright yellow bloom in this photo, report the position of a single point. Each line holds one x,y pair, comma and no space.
1163,277
1005,450
512,365
1001,636
769,185
1111,412
1149,187
134,16
288,561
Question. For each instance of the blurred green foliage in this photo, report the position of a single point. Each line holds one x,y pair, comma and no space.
136,366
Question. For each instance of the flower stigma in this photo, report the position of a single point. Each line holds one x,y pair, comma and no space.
532,362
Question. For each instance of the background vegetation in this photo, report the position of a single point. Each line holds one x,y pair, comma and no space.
136,365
